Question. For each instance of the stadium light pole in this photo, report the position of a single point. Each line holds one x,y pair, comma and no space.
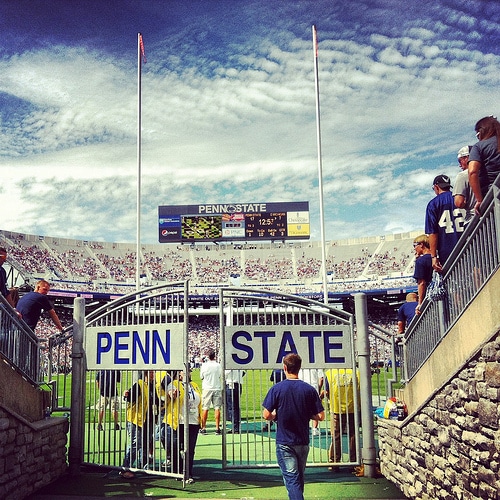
320,167
140,57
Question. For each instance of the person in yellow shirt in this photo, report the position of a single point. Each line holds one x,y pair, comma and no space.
162,381
137,398
176,420
339,389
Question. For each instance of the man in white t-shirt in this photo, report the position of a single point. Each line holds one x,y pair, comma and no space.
234,384
211,383
462,192
314,377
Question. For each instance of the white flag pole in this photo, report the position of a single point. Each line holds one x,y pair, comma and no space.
320,168
139,153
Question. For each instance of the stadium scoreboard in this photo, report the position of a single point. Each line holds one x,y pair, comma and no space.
233,221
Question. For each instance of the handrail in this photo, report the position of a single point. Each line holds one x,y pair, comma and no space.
474,260
18,344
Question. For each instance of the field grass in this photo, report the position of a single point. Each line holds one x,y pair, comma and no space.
256,385
253,446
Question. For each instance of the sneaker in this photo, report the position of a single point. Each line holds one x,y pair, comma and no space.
189,480
117,427
203,431
127,474
218,431
316,431
99,427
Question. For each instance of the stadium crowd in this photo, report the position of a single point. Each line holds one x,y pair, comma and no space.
86,266
295,269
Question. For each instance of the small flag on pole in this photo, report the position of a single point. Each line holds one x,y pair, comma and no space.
143,53
315,37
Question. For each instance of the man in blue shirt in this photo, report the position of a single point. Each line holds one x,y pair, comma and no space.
406,312
423,267
444,223
32,304
292,403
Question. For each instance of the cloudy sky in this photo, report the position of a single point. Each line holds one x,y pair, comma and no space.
228,108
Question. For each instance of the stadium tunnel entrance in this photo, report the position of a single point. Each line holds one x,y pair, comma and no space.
131,355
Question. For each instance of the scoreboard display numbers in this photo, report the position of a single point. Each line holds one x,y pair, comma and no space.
271,225
238,221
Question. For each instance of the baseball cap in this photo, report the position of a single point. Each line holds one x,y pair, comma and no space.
463,152
443,181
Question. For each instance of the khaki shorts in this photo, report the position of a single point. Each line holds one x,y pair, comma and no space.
211,398
113,402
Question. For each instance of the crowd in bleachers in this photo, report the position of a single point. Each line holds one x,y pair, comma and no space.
78,265
213,270
390,261
268,269
120,268
104,268
167,266
295,269
308,267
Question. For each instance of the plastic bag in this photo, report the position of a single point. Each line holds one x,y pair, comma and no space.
395,409
436,290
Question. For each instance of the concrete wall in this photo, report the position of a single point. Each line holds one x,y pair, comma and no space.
32,454
450,448
32,449
20,396
475,326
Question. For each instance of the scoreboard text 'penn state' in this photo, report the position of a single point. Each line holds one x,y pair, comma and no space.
233,221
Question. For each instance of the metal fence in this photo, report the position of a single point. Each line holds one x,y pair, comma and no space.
473,261
18,343
106,439
265,325
386,362
119,438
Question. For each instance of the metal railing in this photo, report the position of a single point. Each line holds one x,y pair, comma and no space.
386,360
58,358
473,261
18,343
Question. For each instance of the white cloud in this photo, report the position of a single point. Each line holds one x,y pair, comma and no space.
399,94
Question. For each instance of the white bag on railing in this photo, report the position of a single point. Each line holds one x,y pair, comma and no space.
436,289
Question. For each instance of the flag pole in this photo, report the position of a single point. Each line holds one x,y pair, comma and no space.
320,167
140,51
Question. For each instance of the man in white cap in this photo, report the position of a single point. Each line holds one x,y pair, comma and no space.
462,192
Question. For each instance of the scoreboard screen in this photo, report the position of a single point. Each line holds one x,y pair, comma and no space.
233,221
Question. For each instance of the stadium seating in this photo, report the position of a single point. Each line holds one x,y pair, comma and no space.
356,264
